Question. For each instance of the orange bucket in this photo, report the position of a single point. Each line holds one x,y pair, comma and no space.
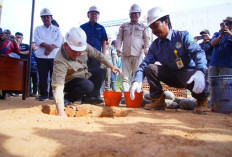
112,98
133,103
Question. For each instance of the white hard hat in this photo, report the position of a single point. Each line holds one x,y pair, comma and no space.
45,11
155,14
93,8
76,39
135,9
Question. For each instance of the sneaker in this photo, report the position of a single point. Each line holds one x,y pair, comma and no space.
41,98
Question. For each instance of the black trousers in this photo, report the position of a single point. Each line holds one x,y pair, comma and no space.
177,79
34,80
79,87
45,67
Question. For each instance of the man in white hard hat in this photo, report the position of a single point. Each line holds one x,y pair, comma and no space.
183,62
132,35
71,73
96,37
48,39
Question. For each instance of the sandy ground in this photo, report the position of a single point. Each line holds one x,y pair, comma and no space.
26,131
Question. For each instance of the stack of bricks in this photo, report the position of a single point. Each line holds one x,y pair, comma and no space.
178,92
71,111
75,110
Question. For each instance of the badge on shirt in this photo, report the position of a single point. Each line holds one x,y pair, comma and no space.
190,38
178,45
179,62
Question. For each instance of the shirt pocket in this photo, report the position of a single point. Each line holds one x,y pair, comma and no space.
54,35
99,33
139,32
126,31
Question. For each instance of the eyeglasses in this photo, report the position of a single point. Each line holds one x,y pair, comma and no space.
18,37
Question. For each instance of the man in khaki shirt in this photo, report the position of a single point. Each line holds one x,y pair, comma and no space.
70,74
133,35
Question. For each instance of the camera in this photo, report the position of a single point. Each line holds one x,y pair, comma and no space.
222,25
12,37
200,37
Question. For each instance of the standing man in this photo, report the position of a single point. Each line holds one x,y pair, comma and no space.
48,39
71,71
221,63
23,47
96,37
133,35
183,63
206,45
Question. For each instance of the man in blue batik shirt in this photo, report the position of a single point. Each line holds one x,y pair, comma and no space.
96,37
184,63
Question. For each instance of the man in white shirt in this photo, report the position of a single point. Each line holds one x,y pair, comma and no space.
48,39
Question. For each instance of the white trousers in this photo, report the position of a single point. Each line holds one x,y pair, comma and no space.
129,66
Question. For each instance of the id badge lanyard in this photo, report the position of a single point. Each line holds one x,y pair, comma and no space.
179,62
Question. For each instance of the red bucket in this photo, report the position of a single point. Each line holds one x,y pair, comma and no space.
112,98
133,103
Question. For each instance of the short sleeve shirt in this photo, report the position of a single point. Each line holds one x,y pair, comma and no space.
96,34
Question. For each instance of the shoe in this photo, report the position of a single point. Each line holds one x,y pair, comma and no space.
41,98
11,94
147,96
201,106
66,102
156,104
92,100
51,98
32,95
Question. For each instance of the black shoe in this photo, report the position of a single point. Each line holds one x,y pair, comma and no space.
41,98
32,95
66,102
51,98
92,100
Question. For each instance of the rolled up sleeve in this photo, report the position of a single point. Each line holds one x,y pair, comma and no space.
58,80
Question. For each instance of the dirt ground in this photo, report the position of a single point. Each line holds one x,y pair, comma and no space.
27,132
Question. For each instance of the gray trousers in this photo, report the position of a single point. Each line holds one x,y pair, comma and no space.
178,79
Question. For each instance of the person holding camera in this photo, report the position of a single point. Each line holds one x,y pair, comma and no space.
8,44
205,44
221,62
183,63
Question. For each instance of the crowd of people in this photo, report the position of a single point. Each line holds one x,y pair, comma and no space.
74,68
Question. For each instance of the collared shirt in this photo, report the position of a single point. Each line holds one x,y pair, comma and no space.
65,69
24,47
132,36
208,48
50,35
190,52
96,34
222,52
